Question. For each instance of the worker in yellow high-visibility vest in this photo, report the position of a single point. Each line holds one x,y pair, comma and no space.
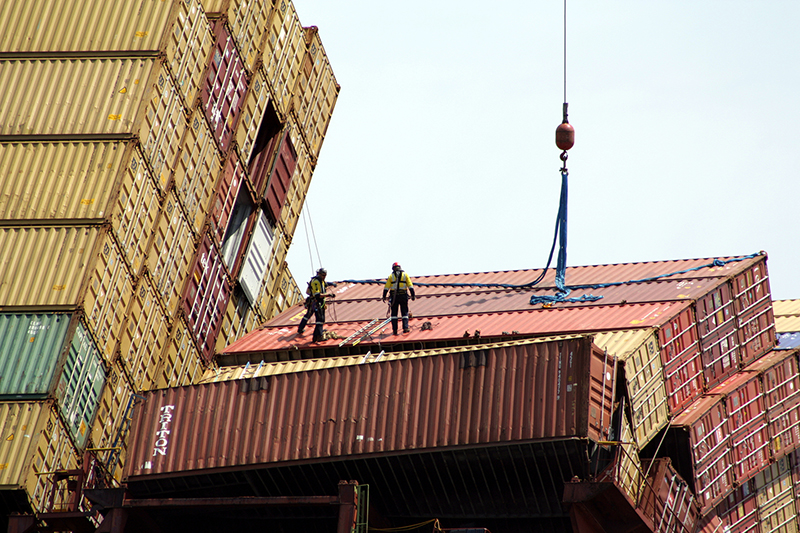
398,286
315,303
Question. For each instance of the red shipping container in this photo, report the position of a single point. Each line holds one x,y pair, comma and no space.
715,311
738,510
784,430
750,449
720,355
521,391
751,288
744,401
756,332
206,296
684,382
780,379
703,428
225,199
666,498
280,178
678,337
224,89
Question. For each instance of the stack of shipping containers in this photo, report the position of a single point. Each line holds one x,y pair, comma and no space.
150,183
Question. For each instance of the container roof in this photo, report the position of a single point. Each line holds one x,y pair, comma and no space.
452,307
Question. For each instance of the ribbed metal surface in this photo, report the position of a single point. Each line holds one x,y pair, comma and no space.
163,126
256,258
265,301
248,22
182,364
240,318
280,178
787,324
298,187
197,170
30,348
231,179
536,391
533,322
284,50
45,266
253,109
74,96
21,424
785,308
108,429
171,254
58,180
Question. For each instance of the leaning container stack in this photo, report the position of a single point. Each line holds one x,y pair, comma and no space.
150,184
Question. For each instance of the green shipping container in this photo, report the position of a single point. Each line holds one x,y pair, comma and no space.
52,355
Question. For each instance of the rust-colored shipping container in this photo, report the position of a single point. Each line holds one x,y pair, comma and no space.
780,379
666,499
750,451
684,382
206,296
281,177
698,440
754,315
197,170
231,180
224,89
539,390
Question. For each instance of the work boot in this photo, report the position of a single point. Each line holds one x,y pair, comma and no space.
394,326
405,324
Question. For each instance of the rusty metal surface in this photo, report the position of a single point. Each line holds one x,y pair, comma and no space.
527,392
487,325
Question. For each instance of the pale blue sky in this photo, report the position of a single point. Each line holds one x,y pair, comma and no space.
441,153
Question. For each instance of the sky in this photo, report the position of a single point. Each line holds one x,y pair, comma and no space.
440,153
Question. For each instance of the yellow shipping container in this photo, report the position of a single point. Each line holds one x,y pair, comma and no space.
247,20
265,301
88,181
110,98
183,364
253,108
197,170
284,50
34,442
240,318
178,29
288,293
144,336
644,377
110,426
66,268
315,94
171,253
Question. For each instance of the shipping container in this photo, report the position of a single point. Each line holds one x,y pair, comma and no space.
144,337
222,206
206,297
257,258
270,283
224,88
171,254
197,171
775,498
240,229
784,430
288,294
316,92
34,440
698,441
684,382
178,29
67,268
240,318
248,25
750,449
280,177
298,189
756,334
183,364
110,427
534,391
256,104
284,50
111,98
738,511
638,350
666,500
716,324
52,355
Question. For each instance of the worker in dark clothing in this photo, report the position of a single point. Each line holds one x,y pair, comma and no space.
398,285
315,303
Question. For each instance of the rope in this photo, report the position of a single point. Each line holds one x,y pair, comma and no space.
313,235
308,241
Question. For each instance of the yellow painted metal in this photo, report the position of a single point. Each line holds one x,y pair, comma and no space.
75,181
298,187
197,170
253,108
34,440
284,50
288,292
171,253
215,6
265,302
787,324
775,497
247,20
144,337
240,318
182,362
254,370
162,130
315,94
786,308
628,465
176,29
644,377
110,419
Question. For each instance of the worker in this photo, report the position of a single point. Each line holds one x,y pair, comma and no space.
398,285
315,303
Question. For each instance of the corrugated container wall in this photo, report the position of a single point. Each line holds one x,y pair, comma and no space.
546,390
284,50
248,26
176,28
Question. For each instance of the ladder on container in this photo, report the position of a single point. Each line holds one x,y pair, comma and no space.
365,331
